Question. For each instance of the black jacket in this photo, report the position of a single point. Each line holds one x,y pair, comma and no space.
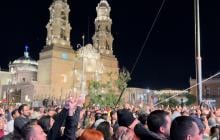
145,134
54,133
71,125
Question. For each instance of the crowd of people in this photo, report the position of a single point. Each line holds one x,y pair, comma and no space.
74,122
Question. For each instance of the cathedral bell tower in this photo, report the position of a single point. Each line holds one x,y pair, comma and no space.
58,28
56,57
102,39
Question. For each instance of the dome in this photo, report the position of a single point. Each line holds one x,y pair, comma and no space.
22,60
103,4
60,0
24,63
25,60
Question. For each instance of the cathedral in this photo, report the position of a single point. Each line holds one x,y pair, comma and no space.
62,71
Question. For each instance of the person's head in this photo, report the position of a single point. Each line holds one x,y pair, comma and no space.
42,110
113,115
105,116
214,131
51,112
185,128
34,132
125,117
143,118
159,122
198,112
46,122
24,110
15,113
105,127
98,116
91,134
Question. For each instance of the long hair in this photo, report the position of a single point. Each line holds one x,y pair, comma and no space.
91,134
104,127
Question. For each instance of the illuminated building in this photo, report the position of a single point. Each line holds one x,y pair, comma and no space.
60,70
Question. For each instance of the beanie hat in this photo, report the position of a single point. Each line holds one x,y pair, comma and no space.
125,117
212,122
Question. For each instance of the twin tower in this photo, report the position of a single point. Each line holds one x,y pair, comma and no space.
66,70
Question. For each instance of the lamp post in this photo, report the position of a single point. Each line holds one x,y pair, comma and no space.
198,54
82,55
83,69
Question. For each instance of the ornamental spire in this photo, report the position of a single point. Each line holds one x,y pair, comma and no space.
26,53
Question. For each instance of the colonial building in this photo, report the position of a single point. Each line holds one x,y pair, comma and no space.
60,70
148,96
5,78
23,73
210,89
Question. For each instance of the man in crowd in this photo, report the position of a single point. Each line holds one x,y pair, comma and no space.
34,132
22,120
185,128
126,119
159,122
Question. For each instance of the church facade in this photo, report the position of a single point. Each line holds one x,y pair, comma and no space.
62,71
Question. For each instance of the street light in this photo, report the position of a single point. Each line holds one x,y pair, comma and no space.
198,52
83,69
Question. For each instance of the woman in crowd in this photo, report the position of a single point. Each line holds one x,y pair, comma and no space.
91,134
106,130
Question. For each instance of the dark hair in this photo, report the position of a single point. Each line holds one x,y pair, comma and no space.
21,108
98,116
112,112
14,112
104,127
27,131
143,118
181,127
27,128
214,131
44,122
156,119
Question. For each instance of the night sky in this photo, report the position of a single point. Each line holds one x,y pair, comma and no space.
167,60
